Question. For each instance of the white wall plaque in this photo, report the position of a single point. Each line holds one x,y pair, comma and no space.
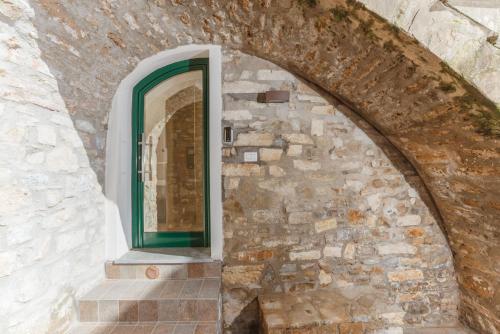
250,157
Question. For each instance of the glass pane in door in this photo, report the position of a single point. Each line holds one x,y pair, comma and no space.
173,155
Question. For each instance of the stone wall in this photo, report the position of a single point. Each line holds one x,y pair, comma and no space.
51,205
323,207
466,43
442,125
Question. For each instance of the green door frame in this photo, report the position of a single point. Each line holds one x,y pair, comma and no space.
141,239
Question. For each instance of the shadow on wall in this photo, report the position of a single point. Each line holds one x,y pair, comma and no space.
247,321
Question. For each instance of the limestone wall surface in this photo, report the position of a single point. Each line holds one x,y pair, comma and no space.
51,205
323,207
459,35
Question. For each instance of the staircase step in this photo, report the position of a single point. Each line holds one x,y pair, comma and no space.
152,300
163,271
149,328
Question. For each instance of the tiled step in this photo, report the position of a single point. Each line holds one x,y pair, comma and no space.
150,301
149,328
163,271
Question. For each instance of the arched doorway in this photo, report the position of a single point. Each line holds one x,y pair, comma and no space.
120,139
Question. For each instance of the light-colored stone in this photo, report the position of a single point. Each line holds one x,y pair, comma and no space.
396,248
311,98
254,139
299,218
232,183
298,138
62,159
409,220
7,261
390,330
276,171
323,110
274,75
243,275
306,165
305,256
324,278
325,225
13,198
46,135
237,115
242,170
85,126
294,150
317,127
330,251
243,86
405,275
349,251
374,201
394,318
270,154
35,158
280,186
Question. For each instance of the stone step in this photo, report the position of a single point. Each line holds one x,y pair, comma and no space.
149,328
163,271
335,311
142,300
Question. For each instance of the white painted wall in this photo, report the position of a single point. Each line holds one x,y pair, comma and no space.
118,149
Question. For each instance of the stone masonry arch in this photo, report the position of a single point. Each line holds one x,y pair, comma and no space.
442,125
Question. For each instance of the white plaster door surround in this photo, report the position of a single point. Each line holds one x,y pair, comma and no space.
119,144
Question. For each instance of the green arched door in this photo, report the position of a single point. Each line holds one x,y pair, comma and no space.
170,177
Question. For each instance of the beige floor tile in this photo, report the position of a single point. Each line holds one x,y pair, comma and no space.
210,288
191,289
172,289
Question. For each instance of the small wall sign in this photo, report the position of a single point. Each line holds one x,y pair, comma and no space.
250,157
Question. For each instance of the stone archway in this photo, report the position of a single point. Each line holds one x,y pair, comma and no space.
442,125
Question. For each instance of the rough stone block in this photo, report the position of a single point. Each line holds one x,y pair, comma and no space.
331,251
323,110
46,135
274,75
298,138
294,150
300,217
350,251
306,165
237,115
317,127
244,86
7,261
325,225
409,220
254,139
305,255
405,275
248,275
276,171
242,170
396,248
270,154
